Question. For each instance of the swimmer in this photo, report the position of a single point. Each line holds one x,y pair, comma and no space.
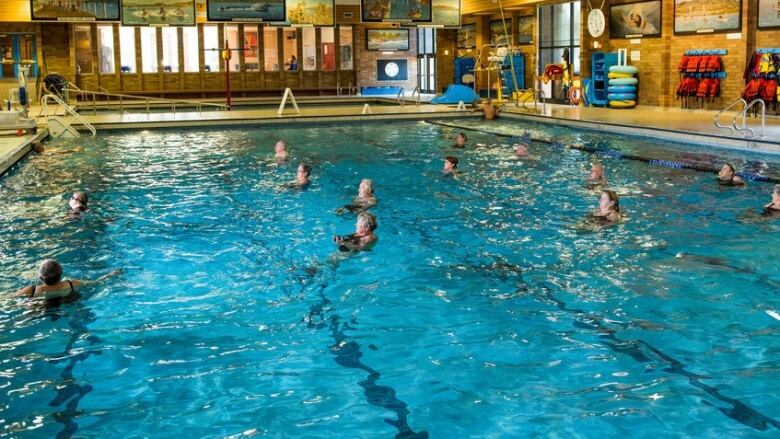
521,150
450,166
365,198
54,287
774,207
40,149
301,177
78,204
489,110
460,141
596,173
609,208
363,238
280,149
728,176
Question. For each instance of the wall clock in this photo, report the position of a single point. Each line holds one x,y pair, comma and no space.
596,23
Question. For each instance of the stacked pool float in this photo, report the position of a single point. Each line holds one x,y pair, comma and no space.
621,92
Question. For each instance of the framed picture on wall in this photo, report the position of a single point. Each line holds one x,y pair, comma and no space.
525,29
768,14
391,70
445,13
387,39
48,10
497,35
245,10
707,16
467,36
412,11
158,12
314,12
640,19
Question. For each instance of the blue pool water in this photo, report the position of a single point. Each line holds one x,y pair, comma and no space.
486,309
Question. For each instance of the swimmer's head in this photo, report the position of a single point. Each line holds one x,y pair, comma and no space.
50,272
521,150
460,139
280,147
597,171
366,188
78,201
38,147
304,171
727,172
450,163
366,222
609,201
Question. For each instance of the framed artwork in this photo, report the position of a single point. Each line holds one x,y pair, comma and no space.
391,70
707,16
314,12
768,14
387,39
467,36
158,12
411,11
245,10
640,19
525,29
497,35
445,13
50,10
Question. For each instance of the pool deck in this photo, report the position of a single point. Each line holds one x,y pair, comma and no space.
13,148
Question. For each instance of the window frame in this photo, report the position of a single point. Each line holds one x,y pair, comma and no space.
550,45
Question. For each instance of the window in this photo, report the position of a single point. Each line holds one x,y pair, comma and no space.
309,35
127,49
251,49
106,49
189,43
290,46
83,39
426,59
149,50
559,31
170,49
328,49
17,50
345,47
231,35
270,49
211,48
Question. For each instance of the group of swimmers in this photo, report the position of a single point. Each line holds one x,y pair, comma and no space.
53,286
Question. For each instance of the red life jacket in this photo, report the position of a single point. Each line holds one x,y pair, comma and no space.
769,92
714,90
714,64
693,64
752,89
703,88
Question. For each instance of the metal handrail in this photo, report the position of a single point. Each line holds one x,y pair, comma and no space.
338,89
416,90
68,109
350,91
744,127
147,99
400,98
731,127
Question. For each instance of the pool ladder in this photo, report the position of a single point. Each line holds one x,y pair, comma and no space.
350,89
58,126
735,126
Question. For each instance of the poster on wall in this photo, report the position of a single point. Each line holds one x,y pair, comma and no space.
391,70
635,20
467,36
525,29
445,13
387,39
82,10
158,12
413,11
707,16
497,35
245,10
768,14
314,12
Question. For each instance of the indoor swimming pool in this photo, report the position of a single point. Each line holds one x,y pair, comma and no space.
489,307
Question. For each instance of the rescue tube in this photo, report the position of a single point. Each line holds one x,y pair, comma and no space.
622,104
624,81
575,95
619,75
621,89
621,96
631,70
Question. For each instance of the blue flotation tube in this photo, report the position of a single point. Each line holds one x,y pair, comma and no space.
456,93
631,70
621,96
624,81
621,89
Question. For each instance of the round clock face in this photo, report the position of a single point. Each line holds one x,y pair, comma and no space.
596,23
391,69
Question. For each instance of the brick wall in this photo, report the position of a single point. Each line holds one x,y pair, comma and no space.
365,61
446,50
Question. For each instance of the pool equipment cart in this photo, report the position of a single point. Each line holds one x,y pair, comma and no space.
596,90
16,120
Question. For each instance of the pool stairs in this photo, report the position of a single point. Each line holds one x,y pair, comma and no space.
59,127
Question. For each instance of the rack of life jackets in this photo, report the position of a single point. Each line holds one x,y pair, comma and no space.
701,72
761,78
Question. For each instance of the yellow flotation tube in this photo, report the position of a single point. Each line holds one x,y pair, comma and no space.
622,104
619,75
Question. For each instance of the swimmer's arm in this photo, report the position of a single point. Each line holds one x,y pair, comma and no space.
24,292
102,278
738,179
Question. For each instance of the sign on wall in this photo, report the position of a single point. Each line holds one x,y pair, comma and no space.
246,10
445,13
158,12
391,70
707,16
83,10
314,12
411,11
